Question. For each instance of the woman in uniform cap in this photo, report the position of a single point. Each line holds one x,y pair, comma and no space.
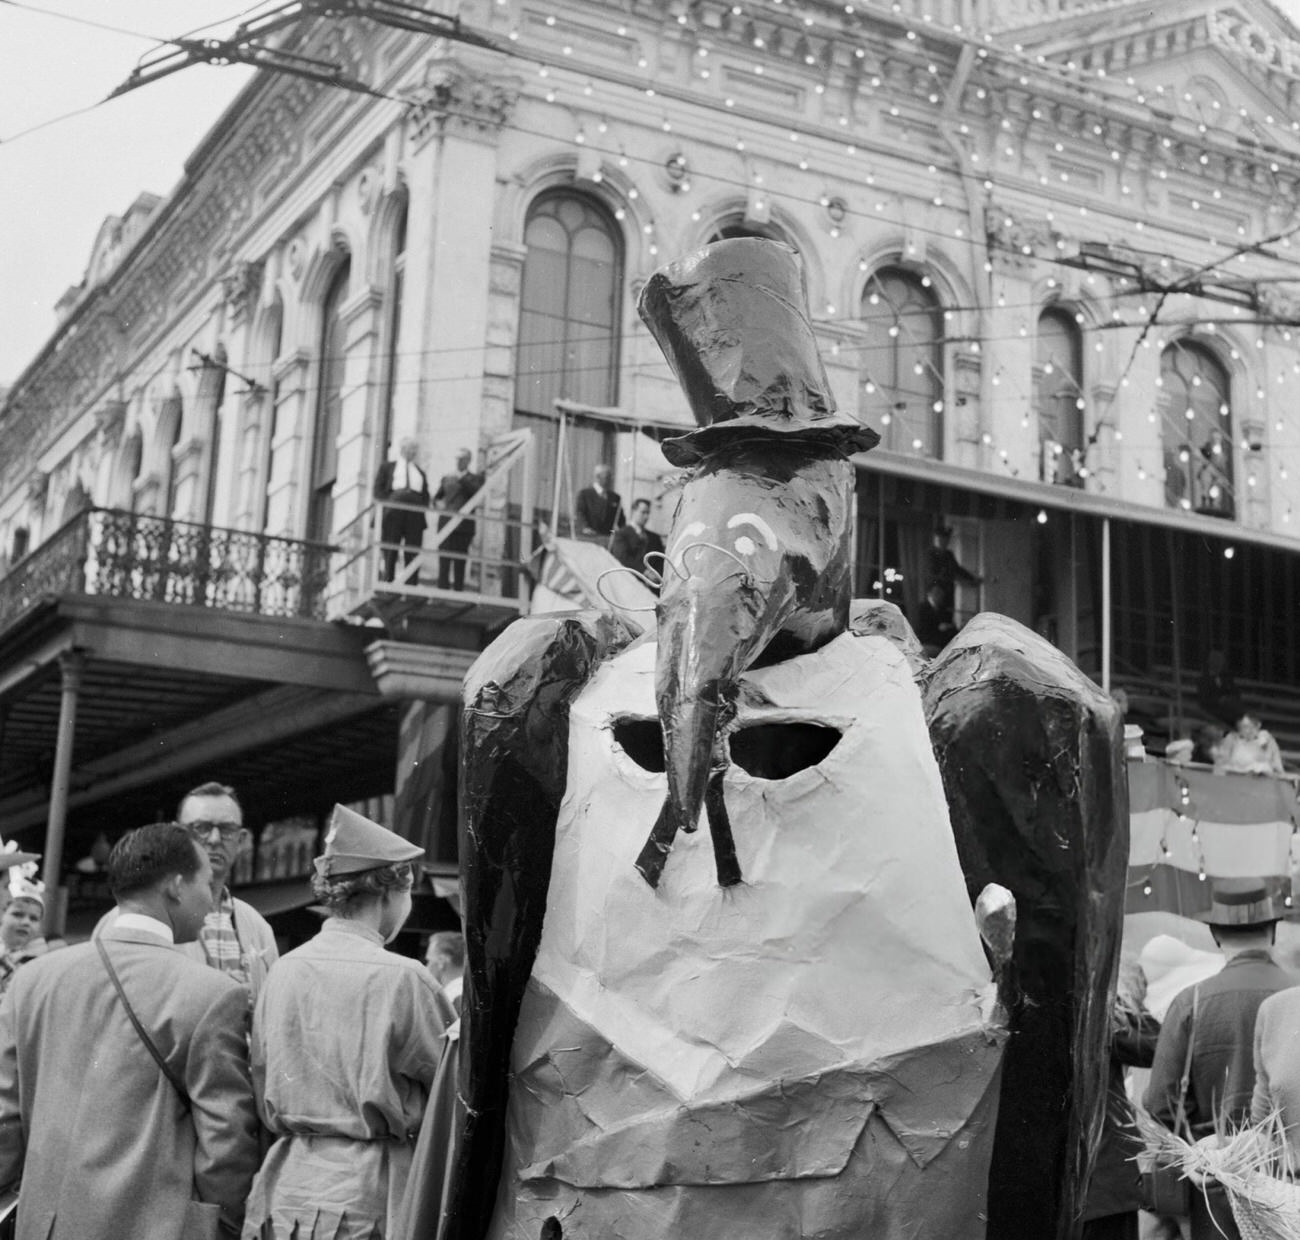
346,1042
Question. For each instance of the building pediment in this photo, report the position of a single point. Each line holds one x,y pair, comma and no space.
1233,68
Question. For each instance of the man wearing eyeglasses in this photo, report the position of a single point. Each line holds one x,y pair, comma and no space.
235,939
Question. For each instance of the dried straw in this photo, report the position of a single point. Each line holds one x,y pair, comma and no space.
1249,1162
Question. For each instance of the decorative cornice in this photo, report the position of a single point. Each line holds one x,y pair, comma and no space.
1014,241
409,671
1244,38
452,96
242,286
109,421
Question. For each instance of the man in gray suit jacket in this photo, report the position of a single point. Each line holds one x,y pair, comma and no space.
107,1144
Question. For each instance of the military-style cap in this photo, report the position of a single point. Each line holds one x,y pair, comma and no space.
1240,902
732,320
354,843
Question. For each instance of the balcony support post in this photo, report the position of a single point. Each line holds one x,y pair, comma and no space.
71,667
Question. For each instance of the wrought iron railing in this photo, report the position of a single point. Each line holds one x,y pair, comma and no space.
127,555
480,559
57,566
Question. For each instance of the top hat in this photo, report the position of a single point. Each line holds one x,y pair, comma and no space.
354,844
1240,902
732,320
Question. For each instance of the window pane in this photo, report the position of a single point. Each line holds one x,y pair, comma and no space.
1196,430
569,317
545,233
333,366
1058,390
902,362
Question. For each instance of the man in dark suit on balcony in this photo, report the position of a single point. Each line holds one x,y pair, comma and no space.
453,492
599,508
632,543
401,482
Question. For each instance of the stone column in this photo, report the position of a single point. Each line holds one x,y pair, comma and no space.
462,291
188,467
452,138
71,666
363,333
292,384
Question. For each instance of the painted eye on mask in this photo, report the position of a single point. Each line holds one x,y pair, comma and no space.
780,750
745,544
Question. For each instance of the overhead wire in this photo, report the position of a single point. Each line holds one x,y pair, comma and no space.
556,61
537,57
84,21
987,243
91,23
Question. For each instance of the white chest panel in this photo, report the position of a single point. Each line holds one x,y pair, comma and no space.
851,936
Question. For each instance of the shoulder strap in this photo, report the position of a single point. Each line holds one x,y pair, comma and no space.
1180,1122
139,1028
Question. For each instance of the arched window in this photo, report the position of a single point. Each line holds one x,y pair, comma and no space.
210,398
568,322
260,476
1058,396
902,367
329,400
569,325
75,502
170,423
126,472
393,325
1196,429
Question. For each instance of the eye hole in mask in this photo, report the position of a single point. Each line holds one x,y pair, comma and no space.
779,750
642,741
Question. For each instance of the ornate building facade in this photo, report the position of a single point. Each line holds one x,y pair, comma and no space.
1050,249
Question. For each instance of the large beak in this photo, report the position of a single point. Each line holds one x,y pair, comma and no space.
715,619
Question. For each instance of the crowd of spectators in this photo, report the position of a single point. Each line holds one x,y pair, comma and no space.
174,1078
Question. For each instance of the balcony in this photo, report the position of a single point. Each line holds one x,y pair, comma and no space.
125,555
466,567
113,554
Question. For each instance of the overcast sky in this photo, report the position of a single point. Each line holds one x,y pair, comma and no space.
58,184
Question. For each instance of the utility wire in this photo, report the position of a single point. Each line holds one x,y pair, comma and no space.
84,21
539,57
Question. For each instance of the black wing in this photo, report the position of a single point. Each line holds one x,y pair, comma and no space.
514,756
1032,762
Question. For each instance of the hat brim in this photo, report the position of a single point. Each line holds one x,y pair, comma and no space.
835,432
1243,918
342,865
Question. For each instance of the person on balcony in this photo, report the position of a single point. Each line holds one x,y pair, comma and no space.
1216,691
1249,749
633,542
599,508
454,491
401,482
